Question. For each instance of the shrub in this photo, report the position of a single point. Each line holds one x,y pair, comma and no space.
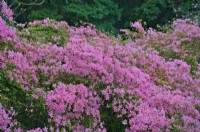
85,79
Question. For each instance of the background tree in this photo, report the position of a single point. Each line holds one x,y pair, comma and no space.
107,15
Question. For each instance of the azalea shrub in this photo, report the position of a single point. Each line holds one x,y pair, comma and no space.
56,77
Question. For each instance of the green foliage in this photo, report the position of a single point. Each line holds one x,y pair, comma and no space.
44,13
107,15
189,10
193,56
6,46
112,123
103,13
45,35
12,94
159,11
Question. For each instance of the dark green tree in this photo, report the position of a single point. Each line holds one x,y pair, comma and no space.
107,15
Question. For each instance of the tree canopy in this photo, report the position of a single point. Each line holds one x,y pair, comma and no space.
107,15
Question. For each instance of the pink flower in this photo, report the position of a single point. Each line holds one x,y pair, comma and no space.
7,12
124,122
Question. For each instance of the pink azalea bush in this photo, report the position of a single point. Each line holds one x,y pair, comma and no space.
7,34
69,86
68,103
5,120
6,11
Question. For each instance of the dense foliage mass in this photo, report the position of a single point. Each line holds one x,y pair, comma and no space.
107,15
55,77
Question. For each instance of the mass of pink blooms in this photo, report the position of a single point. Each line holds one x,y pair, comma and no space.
147,91
6,11
7,34
5,120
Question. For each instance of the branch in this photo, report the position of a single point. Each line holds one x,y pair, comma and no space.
33,3
20,12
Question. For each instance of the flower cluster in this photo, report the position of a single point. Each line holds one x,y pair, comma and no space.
147,89
6,11
6,122
7,34
68,103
